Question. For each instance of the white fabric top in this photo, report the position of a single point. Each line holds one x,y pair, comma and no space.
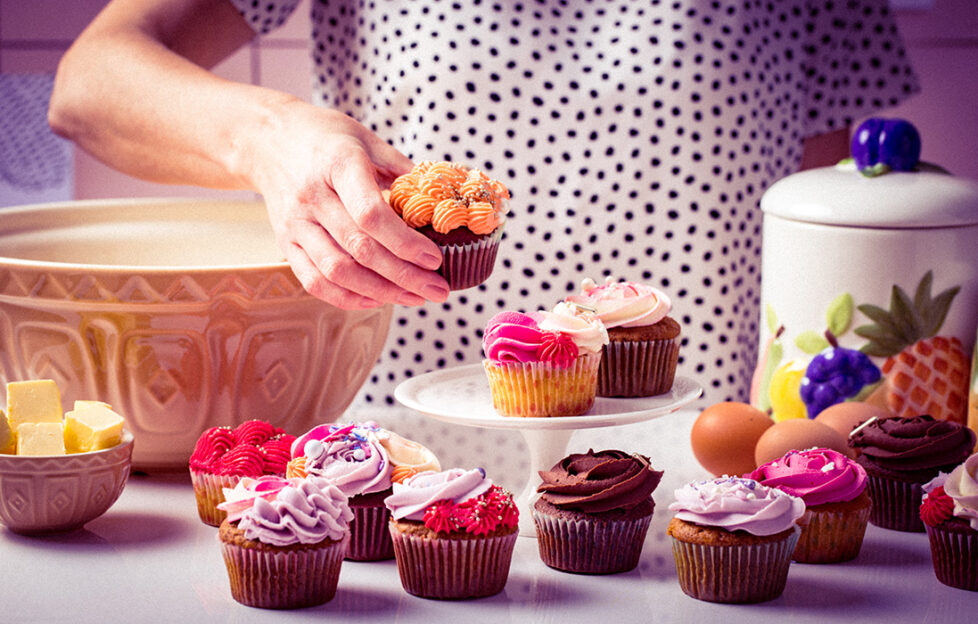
636,138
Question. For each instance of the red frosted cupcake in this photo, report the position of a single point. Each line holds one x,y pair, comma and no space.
222,456
642,353
594,511
454,533
836,504
949,511
284,540
460,209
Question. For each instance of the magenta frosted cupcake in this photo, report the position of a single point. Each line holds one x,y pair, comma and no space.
454,533
363,461
949,511
543,364
594,511
284,540
900,455
732,539
642,353
836,504
222,456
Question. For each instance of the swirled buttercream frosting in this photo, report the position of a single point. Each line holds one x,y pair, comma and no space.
251,449
737,504
282,512
911,449
556,337
599,482
953,494
817,476
623,304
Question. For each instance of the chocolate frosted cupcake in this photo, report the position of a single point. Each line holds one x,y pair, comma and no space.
643,341
363,461
900,455
461,209
594,511
950,512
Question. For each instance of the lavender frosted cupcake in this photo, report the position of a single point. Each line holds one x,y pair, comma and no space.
950,513
363,461
284,540
454,533
594,511
732,539
836,504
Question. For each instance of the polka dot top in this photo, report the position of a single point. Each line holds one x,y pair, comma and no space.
636,138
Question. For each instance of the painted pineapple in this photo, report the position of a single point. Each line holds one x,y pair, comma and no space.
925,373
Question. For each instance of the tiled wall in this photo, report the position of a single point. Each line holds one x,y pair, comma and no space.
942,41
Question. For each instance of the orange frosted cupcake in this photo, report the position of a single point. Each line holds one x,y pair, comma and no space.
460,209
544,363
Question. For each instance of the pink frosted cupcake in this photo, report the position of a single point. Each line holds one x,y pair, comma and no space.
836,503
284,540
222,456
363,461
594,511
949,512
544,363
454,534
643,340
732,539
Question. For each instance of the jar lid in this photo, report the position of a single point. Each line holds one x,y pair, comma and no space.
839,195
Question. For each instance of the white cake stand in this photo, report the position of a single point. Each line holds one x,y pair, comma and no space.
461,396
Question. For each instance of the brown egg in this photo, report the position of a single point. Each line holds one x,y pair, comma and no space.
725,435
843,417
798,434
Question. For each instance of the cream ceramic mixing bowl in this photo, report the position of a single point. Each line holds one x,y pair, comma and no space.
180,314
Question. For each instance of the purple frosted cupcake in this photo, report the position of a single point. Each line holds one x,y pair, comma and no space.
283,541
594,511
454,533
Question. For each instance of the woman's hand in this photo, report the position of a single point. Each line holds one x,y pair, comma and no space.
321,174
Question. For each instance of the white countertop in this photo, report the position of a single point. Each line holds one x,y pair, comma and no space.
149,559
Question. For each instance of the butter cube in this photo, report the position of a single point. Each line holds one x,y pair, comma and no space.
7,443
81,404
92,428
36,401
44,438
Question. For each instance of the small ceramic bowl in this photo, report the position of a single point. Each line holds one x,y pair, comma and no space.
57,493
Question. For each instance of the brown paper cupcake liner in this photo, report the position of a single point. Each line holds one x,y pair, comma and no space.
370,539
896,504
734,574
831,536
955,557
467,265
209,492
538,389
284,579
637,368
451,569
590,546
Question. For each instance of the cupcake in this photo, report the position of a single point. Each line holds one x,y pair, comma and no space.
362,460
284,540
900,455
836,504
222,456
454,534
460,209
594,511
544,363
732,539
643,341
949,511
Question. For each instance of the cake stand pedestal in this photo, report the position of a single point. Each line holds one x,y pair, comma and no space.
461,396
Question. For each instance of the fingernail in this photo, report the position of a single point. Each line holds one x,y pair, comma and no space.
429,261
410,299
435,293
